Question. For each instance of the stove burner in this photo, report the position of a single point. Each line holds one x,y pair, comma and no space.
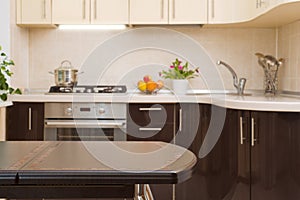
89,89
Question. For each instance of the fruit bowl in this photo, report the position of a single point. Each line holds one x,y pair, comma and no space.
148,86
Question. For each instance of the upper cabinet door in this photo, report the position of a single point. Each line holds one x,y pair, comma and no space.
33,11
148,12
70,11
187,11
110,12
220,11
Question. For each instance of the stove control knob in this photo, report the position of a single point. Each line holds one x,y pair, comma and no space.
89,90
69,111
101,111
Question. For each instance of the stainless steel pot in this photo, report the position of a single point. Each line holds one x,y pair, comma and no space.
65,75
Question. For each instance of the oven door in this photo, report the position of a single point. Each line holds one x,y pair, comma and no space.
84,130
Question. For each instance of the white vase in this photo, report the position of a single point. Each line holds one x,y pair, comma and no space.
180,86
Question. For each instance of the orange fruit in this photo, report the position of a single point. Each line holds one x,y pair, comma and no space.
151,86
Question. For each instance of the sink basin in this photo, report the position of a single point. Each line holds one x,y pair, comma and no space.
216,92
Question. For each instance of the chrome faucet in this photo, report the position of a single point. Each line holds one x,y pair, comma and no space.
239,84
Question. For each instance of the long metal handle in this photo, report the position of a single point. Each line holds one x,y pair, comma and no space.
29,119
149,129
162,9
70,137
242,138
180,119
253,140
88,124
150,109
174,9
95,9
44,9
257,3
83,9
212,8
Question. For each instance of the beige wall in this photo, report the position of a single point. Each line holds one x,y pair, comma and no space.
289,49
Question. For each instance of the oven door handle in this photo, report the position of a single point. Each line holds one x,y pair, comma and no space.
83,124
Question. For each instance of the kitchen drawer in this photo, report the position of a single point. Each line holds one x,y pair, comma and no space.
150,114
150,122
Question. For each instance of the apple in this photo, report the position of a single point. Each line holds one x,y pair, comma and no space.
147,78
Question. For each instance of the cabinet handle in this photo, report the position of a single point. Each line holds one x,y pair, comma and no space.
253,140
149,109
257,3
29,119
242,138
44,9
149,129
173,9
261,2
180,119
212,8
83,9
95,9
162,9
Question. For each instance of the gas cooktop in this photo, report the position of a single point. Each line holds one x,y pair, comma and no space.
89,89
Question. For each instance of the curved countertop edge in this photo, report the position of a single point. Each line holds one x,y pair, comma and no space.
5,103
255,102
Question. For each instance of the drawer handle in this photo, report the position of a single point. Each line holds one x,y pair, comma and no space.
150,109
149,129
29,119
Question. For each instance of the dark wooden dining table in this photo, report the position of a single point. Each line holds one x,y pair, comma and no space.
53,169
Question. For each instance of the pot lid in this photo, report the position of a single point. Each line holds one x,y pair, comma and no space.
66,65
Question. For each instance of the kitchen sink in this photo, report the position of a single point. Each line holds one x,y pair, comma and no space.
216,92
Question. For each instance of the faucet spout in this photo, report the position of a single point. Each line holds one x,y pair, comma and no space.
239,84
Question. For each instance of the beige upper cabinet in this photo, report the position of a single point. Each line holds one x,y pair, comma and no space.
71,11
109,11
220,11
148,12
33,12
187,11
168,11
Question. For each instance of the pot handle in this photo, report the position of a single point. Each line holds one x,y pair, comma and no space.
66,61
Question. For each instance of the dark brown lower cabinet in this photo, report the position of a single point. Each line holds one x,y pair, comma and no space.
152,122
275,155
25,121
215,144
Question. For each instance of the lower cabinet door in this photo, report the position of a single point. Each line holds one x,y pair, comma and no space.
25,121
216,174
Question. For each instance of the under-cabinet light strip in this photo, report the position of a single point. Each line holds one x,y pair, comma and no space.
92,27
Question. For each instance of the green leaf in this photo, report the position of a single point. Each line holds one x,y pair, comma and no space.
3,54
3,97
17,91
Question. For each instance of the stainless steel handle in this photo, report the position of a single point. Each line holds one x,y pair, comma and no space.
242,138
212,8
83,9
257,3
87,124
180,119
44,9
253,140
29,119
95,9
81,137
149,129
150,109
162,9
174,9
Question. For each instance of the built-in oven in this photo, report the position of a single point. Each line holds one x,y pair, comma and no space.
85,121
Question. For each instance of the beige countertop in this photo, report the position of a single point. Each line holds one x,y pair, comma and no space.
5,103
256,101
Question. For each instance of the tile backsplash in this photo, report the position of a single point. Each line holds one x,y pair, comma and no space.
46,48
289,49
